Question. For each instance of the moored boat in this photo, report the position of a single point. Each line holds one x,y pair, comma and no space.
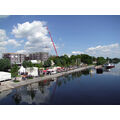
109,66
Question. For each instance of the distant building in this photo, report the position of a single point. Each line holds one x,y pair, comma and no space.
39,56
15,58
26,57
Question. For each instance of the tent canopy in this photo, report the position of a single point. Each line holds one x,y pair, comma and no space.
22,69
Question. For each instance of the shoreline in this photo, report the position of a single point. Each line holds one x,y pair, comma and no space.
11,85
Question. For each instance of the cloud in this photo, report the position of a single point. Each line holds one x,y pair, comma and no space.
112,50
3,38
5,41
22,51
13,43
4,16
21,41
36,35
77,52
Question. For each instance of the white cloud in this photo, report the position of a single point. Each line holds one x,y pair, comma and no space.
22,51
112,50
13,43
3,36
3,42
21,41
36,35
77,52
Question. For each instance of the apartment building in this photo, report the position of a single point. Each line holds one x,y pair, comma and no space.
39,56
15,58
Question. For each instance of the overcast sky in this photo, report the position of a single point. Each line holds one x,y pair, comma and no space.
93,35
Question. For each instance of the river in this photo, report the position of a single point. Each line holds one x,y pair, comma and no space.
81,88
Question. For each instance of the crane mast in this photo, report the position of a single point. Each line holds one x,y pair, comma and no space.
52,42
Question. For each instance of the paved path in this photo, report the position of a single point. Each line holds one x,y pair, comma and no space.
10,85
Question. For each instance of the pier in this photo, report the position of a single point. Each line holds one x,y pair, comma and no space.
11,85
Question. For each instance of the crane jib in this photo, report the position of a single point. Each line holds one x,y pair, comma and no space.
52,42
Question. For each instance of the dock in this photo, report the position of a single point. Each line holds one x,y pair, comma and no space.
11,85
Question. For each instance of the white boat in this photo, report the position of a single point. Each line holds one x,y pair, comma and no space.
109,66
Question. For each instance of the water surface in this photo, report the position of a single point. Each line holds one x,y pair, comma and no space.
80,88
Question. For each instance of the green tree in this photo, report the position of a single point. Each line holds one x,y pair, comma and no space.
94,58
63,62
67,59
47,63
86,59
115,60
27,64
14,70
101,60
57,61
109,60
4,64
38,65
73,60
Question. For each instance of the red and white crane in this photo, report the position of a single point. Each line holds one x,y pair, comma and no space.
52,42
54,89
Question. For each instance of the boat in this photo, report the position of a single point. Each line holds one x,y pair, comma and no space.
109,66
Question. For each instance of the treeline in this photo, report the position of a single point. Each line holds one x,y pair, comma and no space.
76,60
114,60
63,61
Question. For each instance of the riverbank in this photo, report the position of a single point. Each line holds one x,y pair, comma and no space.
11,85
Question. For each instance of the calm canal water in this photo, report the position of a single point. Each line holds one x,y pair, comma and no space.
81,88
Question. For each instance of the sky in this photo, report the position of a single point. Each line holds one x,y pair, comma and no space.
95,35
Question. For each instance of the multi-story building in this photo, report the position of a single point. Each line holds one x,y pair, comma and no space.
39,56
15,58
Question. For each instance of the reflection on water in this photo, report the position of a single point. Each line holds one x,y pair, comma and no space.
99,71
85,87
17,98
